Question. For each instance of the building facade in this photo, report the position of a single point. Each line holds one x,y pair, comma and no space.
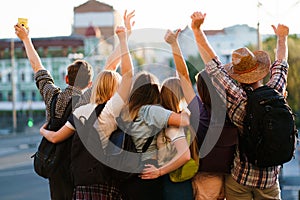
89,40
93,39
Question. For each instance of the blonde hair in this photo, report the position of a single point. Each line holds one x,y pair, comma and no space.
105,86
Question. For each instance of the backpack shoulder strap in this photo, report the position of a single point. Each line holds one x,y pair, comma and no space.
94,115
90,121
147,144
69,108
248,90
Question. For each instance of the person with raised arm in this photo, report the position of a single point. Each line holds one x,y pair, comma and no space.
78,79
109,89
247,68
216,161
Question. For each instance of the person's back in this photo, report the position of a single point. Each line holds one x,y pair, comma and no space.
144,118
78,78
216,159
246,181
208,113
217,138
172,98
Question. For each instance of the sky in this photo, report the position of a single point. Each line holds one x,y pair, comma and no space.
49,18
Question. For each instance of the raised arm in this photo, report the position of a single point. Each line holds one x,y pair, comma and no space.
206,51
279,70
182,70
126,64
114,58
282,32
34,59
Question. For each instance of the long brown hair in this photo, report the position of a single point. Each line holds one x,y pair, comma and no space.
145,91
171,97
171,94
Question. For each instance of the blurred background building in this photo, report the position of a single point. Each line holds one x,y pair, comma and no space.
93,39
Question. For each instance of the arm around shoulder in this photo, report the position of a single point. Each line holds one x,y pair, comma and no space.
179,119
56,136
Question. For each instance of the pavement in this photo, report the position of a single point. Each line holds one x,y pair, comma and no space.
17,149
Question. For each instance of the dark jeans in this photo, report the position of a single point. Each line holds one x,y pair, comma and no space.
139,189
177,191
61,186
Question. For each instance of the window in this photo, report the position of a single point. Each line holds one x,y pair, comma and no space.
23,96
9,77
23,77
9,96
33,96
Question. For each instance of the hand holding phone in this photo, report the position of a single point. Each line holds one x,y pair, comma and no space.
23,22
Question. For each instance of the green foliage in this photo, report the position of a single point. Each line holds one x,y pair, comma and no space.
194,65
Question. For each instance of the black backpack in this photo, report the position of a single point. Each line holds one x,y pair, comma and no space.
50,155
270,136
118,162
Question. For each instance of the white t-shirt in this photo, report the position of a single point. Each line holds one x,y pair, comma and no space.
165,144
106,122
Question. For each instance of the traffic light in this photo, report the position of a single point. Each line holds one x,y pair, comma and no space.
30,122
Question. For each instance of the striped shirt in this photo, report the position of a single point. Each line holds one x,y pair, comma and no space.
47,88
232,92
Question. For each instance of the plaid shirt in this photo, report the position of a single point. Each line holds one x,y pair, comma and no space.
45,84
231,91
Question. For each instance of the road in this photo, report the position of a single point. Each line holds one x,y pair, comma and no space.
22,183
18,180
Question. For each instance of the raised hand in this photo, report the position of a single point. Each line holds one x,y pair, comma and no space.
281,30
127,21
171,37
21,32
197,20
121,32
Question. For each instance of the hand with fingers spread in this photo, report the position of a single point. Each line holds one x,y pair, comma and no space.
114,58
127,21
171,37
197,20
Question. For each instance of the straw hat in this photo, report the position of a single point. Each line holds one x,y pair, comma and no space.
247,67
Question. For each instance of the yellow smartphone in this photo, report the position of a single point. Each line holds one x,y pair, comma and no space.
23,22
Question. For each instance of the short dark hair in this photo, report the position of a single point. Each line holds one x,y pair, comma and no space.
80,73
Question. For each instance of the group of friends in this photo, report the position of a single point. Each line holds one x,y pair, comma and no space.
141,103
